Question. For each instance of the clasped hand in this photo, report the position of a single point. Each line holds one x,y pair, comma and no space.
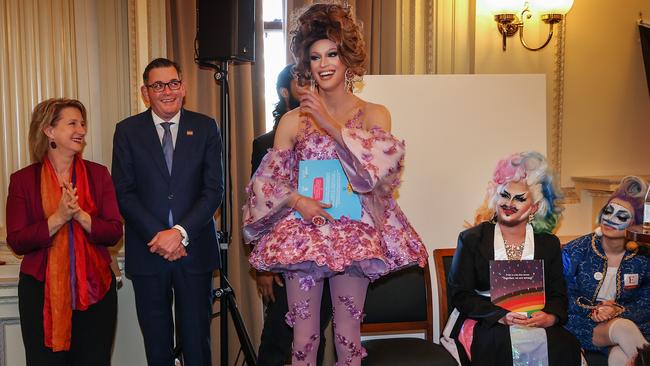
538,319
68,208
606,310
168,244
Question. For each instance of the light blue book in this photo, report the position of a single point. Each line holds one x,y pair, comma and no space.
325,181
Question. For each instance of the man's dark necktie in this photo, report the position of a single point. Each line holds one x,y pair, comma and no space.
168,151
168,144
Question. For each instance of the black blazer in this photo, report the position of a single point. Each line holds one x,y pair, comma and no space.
146,191
260,146
470,271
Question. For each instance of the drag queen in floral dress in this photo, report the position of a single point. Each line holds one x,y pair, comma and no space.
331,123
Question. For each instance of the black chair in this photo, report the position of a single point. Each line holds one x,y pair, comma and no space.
400,302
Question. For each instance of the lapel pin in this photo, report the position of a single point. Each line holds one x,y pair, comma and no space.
189,133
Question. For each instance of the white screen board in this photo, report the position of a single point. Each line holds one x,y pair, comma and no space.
456,127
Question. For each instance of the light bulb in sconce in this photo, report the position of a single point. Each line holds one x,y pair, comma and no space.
496,7
551,6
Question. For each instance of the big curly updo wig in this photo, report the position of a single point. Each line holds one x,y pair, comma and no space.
331,21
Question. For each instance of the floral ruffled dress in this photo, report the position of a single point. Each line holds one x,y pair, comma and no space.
381,242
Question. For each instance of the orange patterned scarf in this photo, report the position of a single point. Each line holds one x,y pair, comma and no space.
77,275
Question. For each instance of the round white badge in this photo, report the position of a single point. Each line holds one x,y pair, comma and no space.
598,276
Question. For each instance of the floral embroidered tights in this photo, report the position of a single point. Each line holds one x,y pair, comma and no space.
304,296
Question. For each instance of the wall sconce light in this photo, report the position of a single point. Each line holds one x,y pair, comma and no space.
505,14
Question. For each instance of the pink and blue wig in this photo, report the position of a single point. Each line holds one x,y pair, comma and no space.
532,168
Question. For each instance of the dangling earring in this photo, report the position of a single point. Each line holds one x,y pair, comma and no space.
493,220
349,80
53,144
531,217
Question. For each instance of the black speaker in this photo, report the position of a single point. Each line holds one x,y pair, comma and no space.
225,30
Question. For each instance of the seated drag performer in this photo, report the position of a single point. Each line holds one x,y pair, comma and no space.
515,223
609,286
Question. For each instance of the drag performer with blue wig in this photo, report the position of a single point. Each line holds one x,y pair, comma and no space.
609,284
514,223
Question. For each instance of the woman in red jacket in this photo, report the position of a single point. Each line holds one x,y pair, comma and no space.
61,216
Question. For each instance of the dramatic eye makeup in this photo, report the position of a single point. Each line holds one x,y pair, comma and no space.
315,56
624,216
608,210
616,216
521,197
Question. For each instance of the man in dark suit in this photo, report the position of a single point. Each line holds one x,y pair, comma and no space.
275,344
168,179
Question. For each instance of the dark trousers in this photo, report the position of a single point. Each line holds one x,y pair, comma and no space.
277,336
93,330
191,296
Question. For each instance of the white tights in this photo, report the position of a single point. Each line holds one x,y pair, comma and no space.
626,337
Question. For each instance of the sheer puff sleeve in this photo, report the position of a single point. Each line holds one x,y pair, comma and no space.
268,192
371,159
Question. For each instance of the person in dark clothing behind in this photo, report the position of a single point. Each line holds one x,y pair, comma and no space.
287,93
277,336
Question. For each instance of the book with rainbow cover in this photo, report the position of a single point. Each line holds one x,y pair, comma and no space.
518,286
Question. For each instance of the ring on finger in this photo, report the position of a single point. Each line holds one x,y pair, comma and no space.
318,220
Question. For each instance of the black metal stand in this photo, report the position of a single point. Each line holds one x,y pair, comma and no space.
225,293
226,296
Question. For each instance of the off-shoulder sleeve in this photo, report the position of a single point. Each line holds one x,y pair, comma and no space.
371,158
268,191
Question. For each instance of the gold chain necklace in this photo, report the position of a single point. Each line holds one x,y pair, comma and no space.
590,304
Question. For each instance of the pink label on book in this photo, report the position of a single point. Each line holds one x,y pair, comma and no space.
317,193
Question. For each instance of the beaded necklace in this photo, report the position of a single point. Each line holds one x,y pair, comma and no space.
514,251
